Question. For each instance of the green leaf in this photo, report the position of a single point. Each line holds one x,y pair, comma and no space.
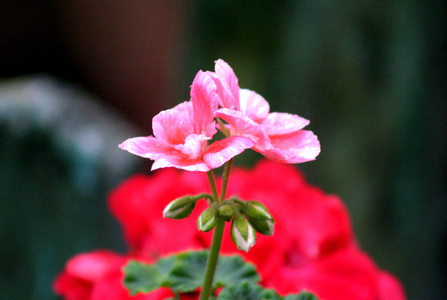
184,272
304,295
247,291
252,291
188,274
232,270
144,278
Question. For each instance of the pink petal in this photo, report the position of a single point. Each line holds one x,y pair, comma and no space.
242,125
296,147
282,123
179,163
172,126
205,101
222,151
227,85
254,105
163,155
193,146
148,147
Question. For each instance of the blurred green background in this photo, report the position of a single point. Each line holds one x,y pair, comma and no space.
370,75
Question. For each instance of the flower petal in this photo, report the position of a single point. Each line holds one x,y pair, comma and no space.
222,151
390,287
148,147
205,101
180,163
227,85
254,105
172,126
296,147
193,146
93,265
242,125
282,123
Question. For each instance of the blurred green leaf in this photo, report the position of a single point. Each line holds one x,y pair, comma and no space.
184,272
144,278
252,291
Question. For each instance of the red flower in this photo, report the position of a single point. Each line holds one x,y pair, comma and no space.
138,205
313,246
97,276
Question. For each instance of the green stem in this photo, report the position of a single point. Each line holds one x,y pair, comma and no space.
212,259
226,175
218,233
204,196
213,185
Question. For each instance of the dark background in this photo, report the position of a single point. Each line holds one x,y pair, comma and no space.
370,75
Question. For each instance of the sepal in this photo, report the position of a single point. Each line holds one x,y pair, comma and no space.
180,208
207,220
256,210
226,212
264,227
242,233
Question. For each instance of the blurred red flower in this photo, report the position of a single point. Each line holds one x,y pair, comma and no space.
313,246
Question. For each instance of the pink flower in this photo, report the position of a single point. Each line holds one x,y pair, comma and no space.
278,136
181,134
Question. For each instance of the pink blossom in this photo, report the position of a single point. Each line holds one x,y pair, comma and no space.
278,136
182,133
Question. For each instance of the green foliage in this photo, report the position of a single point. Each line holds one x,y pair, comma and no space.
184,273
302,296
145,278
247,291
252,291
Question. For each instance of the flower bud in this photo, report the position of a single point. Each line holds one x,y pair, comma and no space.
180,208
256,210
243,235
207,220
264,227
226,212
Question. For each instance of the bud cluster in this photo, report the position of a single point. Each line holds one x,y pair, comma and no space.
247,217
252,217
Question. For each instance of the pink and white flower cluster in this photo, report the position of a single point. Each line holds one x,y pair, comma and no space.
183,134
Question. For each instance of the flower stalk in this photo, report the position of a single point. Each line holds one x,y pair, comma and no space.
218,234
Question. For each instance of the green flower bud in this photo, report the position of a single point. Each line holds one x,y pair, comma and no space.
226,212
207,220
264,227
243,235
256,210
180,208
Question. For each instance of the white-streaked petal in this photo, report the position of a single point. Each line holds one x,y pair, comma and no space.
227,85
177,162
242,125
193,146
296,147
282,123
172,126
148,147
254,105
222,151
205,101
